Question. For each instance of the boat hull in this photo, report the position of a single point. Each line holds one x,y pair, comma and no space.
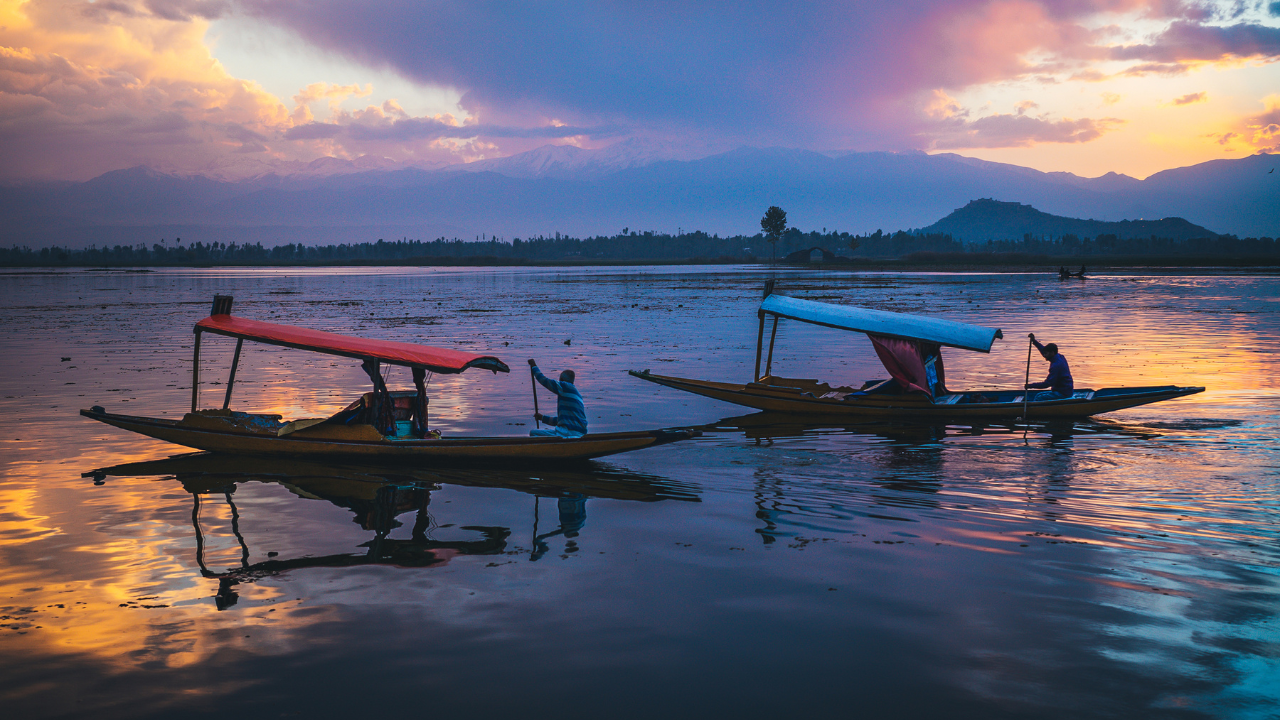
915,406
440,451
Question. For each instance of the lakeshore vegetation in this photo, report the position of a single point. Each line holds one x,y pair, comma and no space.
793,246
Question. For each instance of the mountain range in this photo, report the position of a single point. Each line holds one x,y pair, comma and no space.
601,192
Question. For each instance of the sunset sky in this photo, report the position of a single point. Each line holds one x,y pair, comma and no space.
235,88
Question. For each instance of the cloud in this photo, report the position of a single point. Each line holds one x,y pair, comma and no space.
91,87
432,128
1020,130
313,131
187,9
1264,128
1183,42
1256,133
1192,98
817,72
78,97
82,83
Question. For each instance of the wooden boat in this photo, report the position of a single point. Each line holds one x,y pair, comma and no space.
381,426
909,346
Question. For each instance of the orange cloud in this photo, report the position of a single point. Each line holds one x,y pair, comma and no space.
89,89
1255,133
1192,98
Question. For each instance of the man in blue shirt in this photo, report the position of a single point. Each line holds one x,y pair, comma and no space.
570,420
1059,380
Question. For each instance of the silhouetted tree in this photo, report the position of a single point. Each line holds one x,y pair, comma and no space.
774,224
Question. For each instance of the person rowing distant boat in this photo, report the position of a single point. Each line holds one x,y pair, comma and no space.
570,420
1059,380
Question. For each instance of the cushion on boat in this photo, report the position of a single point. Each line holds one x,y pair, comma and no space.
232,421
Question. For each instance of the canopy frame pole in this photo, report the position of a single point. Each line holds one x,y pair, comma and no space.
231,379
195,372
759,347
773,336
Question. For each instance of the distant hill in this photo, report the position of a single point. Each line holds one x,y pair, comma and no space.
585,193
983,220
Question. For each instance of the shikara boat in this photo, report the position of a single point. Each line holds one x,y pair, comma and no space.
380,426
909,346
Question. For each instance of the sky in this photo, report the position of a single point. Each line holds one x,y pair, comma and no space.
235,88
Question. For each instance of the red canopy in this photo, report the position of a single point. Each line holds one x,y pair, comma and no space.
395,353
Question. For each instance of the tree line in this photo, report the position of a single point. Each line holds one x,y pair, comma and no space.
631,246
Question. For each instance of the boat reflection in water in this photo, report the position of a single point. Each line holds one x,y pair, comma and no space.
766,426
910,463
378,496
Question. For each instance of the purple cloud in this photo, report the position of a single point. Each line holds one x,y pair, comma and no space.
816,73
1186,41
821,74
430,129
313,131
1001,131
1191,98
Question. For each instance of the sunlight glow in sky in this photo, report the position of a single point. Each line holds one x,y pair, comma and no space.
236,88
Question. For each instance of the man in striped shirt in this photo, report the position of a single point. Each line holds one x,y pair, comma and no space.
570,419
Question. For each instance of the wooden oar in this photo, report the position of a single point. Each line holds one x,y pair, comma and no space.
534,381
1026,391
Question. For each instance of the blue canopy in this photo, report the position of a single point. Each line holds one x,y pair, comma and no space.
879,322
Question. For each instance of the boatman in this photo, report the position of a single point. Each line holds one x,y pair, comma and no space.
570,420
1059,380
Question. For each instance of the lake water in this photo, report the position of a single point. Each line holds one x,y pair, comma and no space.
1123,567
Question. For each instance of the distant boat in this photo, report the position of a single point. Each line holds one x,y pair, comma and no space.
381,426
909,346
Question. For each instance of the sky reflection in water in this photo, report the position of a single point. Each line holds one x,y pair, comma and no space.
1120,567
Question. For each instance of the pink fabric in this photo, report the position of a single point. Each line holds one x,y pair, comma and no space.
903,360
439,360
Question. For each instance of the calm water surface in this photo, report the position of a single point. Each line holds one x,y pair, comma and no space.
1122,567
